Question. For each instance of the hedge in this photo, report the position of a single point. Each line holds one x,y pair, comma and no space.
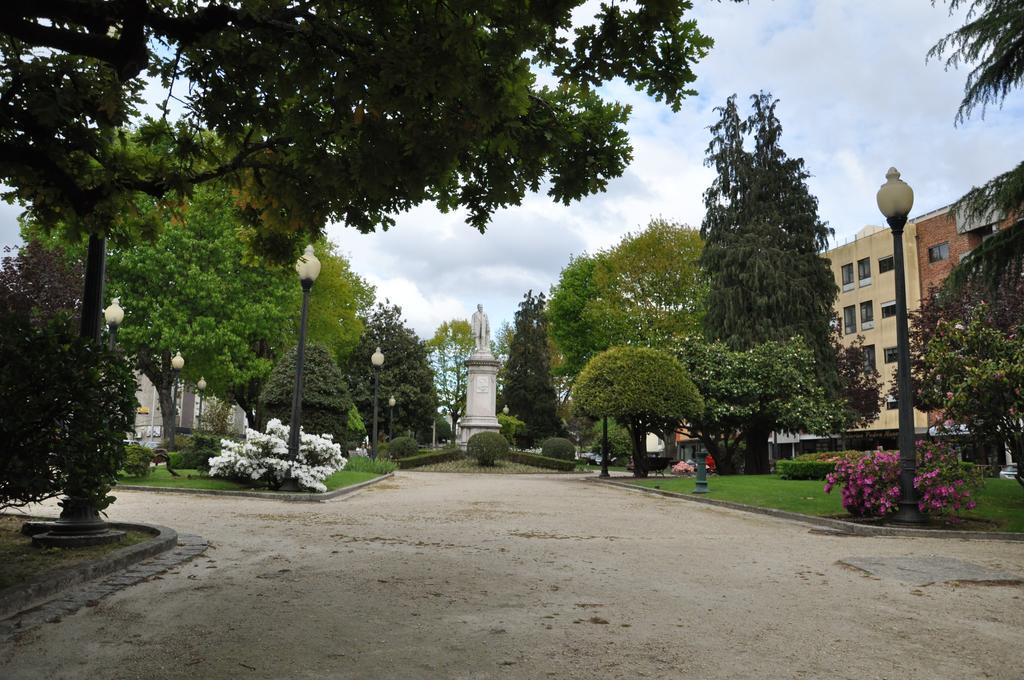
804,469
558,447
540,461
422,459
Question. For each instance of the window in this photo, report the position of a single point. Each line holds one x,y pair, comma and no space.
864,271
890,354
886,264
847,277
867,316
939,253
888,309
850,319
891,403
869,357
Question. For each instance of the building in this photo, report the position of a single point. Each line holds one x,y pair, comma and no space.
148,419
866,306
945,238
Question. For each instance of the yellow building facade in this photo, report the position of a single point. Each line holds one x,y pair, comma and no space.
866,306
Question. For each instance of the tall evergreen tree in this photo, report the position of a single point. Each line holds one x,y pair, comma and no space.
763,245
406,374
529,393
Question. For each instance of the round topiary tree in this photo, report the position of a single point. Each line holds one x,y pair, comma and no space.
487,447
644,389
402,447
558,447
325,397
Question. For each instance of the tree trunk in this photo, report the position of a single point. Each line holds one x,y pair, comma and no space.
167,415
756,460
639,451
722,455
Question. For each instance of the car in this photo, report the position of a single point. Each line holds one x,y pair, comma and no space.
591,457
1008,472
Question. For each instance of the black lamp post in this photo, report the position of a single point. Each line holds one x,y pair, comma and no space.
895,200
391,418
308,268
113,315
604,447
201,386
377,360
177,363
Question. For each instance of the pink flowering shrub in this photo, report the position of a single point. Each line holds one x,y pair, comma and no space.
944,484
871,483
682,468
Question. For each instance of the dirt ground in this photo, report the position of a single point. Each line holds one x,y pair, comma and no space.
476,576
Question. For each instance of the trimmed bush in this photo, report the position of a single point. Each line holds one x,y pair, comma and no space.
402,447
804,469
137,460
487,447
540,461
442,456
558,447
197,453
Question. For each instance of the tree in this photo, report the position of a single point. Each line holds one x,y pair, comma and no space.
992,38
769,387
645,389
325,111
529,392
325,398
338,300
39,282
763,246
860,384
405,374
66,405
975,372
449,348
647,291
499,348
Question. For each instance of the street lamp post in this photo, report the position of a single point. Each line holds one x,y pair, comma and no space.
113,315
201,386
895,200
391,418
308,268
377,360
604,447
177,363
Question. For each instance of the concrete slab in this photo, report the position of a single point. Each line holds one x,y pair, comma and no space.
927,569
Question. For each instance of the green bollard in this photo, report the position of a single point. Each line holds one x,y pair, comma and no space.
702,475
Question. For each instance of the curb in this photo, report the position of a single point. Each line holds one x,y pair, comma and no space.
837,525
17,598
308,497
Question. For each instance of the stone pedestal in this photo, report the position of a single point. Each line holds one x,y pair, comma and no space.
481,392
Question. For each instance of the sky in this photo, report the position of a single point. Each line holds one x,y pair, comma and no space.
856,97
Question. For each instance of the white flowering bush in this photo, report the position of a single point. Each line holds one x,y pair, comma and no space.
264,457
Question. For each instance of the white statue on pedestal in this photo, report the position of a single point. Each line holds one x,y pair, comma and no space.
481,330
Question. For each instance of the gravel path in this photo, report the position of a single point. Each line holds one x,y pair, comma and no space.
476,576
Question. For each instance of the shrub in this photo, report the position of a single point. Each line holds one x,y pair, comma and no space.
804,469
683,468
197,453
558,447
65,404
870,484
442,456
367,464
325,397
511,428
943,483
264,457
137,460
540,461
402,447
487,447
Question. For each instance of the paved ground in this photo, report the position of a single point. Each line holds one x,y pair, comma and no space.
467,576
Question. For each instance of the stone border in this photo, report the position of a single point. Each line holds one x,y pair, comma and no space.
308,497
836,525
21,596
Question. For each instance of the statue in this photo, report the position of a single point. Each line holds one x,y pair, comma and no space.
481,330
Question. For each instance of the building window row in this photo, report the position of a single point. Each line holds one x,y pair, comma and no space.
867,317
885,264
938,253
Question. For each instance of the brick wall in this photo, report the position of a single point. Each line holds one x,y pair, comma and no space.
934,230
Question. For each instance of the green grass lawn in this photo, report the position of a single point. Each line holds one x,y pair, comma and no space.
1000,501
196,479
